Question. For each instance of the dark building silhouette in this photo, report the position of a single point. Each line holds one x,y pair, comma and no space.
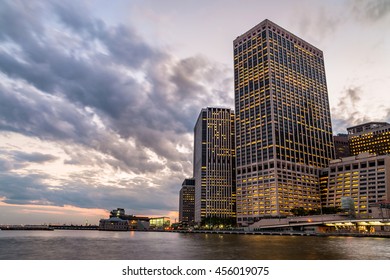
187,201
341,145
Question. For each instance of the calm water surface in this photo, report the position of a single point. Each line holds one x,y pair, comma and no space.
96,245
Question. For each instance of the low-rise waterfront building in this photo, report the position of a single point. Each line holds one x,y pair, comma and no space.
119,221
115,224
372,137
160,223
364,178
322,224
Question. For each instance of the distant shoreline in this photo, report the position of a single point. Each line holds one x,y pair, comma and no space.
48,227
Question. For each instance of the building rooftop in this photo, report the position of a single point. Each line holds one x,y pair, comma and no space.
366,127
271,25
353,158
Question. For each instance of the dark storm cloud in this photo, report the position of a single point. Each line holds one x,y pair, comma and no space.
29,112
31,189
68,77
23,189
33,157
123,44
51,118
5,165
97,81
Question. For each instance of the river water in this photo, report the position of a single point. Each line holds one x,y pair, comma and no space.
98,245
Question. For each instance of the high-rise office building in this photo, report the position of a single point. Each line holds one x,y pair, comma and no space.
372,137
214,164
187,201
283,125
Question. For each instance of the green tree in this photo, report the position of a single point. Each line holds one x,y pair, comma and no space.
213,221
299,211
330,210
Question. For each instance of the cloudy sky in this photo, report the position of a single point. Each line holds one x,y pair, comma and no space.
98,99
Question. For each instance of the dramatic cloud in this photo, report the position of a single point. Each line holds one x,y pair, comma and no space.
107,98
350,99
5,165
34,157
31,189
347,112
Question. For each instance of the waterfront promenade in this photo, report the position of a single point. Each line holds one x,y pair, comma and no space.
288,233
227,232
324,225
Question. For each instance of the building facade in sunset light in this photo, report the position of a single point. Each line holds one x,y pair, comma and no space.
214,164
283,124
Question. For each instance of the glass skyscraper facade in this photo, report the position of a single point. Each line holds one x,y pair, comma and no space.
283,126
214,164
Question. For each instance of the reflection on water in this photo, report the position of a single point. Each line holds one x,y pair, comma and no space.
94,245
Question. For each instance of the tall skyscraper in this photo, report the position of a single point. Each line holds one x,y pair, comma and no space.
187,201
283,125
373,138
214,164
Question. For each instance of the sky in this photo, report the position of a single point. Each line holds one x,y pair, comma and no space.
98,99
